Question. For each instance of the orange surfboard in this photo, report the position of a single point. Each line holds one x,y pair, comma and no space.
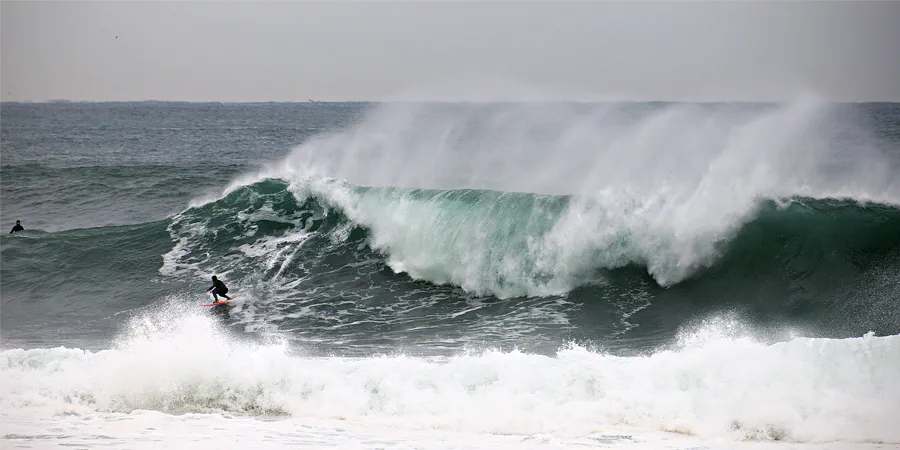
217,303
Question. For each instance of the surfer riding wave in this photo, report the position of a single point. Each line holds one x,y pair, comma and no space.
218,288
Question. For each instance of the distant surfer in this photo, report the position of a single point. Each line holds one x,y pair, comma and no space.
218,288
18,227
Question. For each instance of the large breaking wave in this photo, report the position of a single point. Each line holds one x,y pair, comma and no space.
517,244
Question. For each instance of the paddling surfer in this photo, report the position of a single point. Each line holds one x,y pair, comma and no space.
17,227
218,288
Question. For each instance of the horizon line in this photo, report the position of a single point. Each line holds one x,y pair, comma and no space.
313,102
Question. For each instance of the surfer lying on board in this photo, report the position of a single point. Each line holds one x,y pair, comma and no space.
218,288
17,227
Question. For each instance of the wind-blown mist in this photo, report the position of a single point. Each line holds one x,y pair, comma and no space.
656,185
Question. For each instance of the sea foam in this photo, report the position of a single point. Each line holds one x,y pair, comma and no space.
713,384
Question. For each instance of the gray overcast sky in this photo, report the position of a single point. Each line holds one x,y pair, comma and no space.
221,51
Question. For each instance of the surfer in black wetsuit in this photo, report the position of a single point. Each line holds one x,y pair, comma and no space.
17,227
218,288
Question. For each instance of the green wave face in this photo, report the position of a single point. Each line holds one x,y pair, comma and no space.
791,258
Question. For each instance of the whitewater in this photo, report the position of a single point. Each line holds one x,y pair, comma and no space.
522,275
174,371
